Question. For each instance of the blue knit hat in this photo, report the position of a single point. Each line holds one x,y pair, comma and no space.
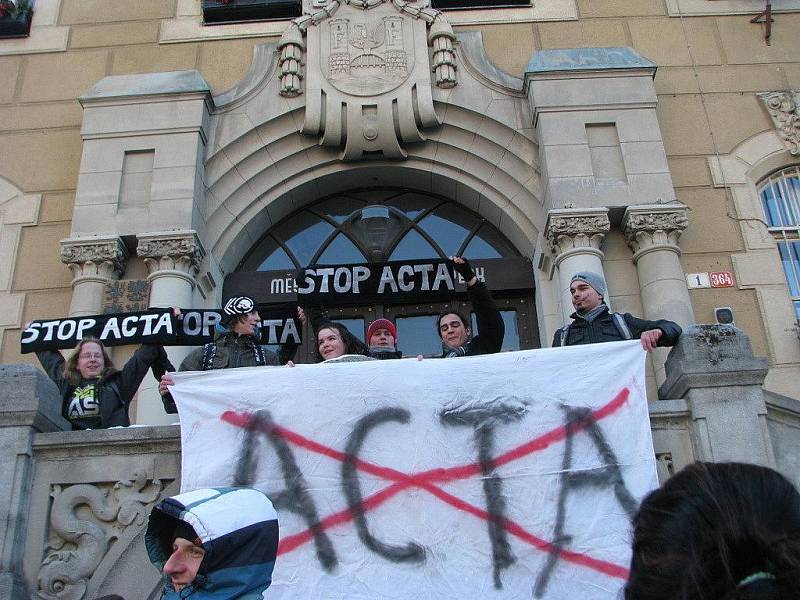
593,279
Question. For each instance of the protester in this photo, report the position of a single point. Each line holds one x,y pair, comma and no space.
593,322
237,346
335,340
724,531
94,394
382,339
214,544
454,328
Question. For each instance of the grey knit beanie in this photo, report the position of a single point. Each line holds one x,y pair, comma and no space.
593,279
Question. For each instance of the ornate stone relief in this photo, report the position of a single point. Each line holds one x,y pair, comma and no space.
179,251
654,227
103,258
84,521
566,232
368,72
784,108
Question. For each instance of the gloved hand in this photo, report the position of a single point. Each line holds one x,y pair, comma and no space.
462,267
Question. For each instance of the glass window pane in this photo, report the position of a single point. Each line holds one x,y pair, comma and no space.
417,335
354,325
267,256
413,247
797,309
488,243
793,200
449,226
411,204
303,235
338,208
791,264
511,337
341,251
770,206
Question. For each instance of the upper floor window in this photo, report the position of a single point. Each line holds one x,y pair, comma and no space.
15,18
780,197
469,4
374,226
233,11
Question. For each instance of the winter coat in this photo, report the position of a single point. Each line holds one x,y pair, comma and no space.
238,529
603,329
112,392
228,351
384,353
490,326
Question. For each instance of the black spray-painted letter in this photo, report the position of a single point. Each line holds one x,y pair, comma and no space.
609,476
295,497
483,419
411,552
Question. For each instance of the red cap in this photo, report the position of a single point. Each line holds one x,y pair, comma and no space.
381,324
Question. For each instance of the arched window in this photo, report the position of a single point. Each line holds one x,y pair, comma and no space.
780,197
380,225
376,225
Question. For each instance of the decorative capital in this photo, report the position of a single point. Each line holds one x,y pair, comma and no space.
171,251
94,257
576,230
784,108
654,227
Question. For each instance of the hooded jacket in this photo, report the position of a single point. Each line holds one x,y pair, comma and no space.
238,529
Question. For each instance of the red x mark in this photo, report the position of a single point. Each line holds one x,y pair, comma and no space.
426,480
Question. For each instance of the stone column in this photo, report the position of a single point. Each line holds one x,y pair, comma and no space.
652,232
29,404
94,263
173,260
714,370
575,236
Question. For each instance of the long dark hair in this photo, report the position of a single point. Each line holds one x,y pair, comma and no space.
718,531
71,373
352,345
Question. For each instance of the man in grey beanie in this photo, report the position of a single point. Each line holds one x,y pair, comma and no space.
593,322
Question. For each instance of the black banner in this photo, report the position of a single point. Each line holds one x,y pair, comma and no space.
390,283
193,327
372,284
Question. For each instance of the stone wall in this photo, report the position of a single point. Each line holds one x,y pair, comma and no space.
711,63
72,520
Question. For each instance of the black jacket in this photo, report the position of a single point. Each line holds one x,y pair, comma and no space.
490,326
228,351
603,329
113,391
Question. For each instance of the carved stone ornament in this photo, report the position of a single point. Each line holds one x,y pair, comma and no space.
179,251
566,232
367,82
84,521
784,108
654,227
102,258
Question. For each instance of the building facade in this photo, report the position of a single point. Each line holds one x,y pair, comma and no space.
148,156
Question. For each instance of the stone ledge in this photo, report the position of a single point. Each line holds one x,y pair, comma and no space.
712,356
101,442
30,399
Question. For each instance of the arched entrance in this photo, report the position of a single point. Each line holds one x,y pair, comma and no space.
377,225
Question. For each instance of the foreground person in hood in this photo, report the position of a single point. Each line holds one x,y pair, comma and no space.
214,544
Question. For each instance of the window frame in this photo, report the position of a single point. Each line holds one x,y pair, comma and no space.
785,234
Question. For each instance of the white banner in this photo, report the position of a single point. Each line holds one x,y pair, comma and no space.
505,476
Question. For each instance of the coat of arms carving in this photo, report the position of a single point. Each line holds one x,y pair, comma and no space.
368,73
